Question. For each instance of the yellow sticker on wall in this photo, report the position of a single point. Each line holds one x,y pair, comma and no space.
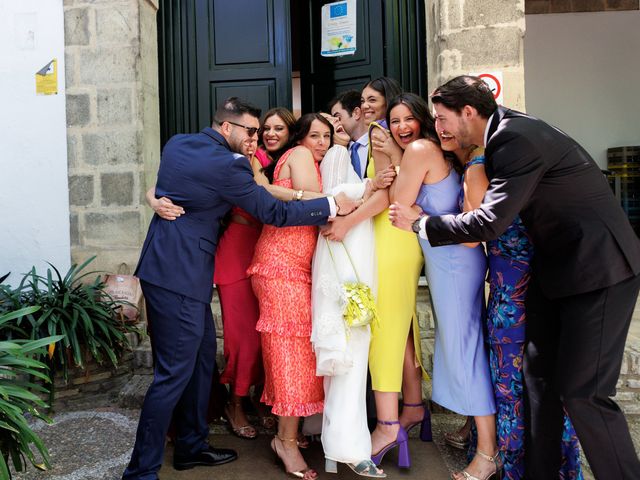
47,79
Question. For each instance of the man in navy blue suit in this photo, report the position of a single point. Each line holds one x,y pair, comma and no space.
201,173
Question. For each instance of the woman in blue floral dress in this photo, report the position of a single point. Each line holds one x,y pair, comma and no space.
509,258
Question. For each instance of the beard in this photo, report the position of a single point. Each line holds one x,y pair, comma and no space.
235,143
463,136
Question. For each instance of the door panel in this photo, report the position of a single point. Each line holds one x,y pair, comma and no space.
243,51
210,50
259,92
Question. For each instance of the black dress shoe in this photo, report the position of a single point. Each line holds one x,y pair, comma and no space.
208,457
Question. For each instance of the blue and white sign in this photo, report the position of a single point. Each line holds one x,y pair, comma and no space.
338,29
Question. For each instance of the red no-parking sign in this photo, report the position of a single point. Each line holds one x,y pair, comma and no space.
494,80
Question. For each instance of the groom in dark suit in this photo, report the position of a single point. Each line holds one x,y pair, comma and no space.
584,274
201,173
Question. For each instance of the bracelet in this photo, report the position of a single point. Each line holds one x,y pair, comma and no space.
298,195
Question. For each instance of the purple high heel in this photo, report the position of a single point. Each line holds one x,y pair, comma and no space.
404,460
425,423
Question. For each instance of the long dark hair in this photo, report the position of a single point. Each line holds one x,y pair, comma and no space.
303,125
289,120
420,110
388,87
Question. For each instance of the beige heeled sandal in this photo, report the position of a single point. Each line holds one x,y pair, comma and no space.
305,473
495,475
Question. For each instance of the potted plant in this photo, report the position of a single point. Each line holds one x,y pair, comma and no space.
76,309
20,395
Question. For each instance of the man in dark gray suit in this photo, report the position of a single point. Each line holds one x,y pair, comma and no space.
584,274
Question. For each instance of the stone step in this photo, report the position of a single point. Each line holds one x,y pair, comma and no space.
143,357
132,393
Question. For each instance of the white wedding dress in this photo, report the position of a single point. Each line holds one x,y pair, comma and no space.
342,356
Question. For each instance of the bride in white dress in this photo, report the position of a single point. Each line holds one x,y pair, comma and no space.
341,355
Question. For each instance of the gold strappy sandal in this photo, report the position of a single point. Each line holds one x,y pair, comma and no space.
305,473
495,475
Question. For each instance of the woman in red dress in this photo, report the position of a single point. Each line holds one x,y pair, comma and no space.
281,278
242,350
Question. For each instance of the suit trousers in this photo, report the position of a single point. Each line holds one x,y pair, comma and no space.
184,350
573,355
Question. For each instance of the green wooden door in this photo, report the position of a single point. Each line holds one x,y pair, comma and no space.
210,50
213,49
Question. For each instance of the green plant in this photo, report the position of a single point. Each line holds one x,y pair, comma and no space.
81,312
19,396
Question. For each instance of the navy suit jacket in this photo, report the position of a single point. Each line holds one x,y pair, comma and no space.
582,238
200,173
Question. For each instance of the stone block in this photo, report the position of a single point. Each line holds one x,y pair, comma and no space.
108,65
625,396
634,363
73,230
76,26
111,148
70,80
633,383
491,12
108,259
78,110
451,15
632,408
142,356
108,229
116,188
426,350
624,369
133,339
498,47
72,150
217,320
80,190
65,393
132,394
93,378
117,24
114,106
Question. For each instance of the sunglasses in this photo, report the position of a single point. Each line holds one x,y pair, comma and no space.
251,131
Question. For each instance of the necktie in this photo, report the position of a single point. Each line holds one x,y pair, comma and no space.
355,159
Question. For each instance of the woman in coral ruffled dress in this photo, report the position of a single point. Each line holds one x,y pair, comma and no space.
281,278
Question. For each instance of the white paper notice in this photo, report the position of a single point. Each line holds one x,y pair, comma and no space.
339,29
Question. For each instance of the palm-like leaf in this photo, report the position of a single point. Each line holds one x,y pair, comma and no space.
19,395
67,317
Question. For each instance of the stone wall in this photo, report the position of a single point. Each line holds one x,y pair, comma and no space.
466,36
567,6
112,125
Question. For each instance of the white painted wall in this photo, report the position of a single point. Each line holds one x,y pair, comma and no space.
582,74
34,197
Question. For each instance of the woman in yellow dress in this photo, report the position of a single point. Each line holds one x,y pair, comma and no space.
394,356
